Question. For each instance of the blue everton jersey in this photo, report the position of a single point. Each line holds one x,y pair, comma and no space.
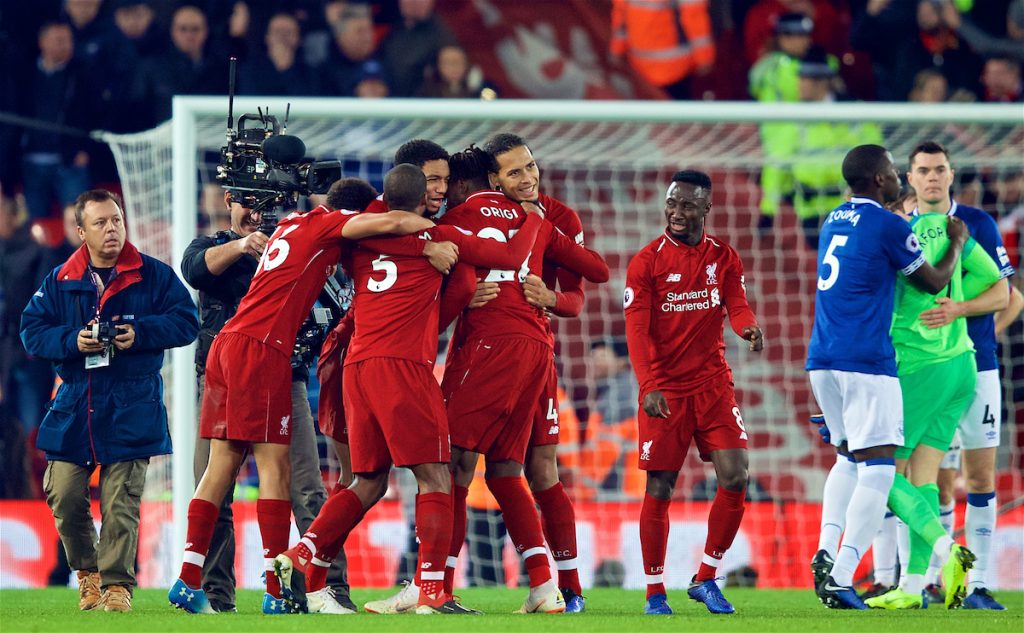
982,328
861,248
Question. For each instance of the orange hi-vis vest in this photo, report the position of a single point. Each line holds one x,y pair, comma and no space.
664,40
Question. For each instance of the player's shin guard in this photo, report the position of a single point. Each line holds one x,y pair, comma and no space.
434,532
864,515
980,525
459,495
202,517
883,551
835,499
274,518
723,524
559,521
654,542
523,525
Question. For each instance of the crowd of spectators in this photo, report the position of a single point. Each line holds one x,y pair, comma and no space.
116,64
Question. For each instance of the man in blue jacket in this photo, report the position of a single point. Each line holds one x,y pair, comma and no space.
104,318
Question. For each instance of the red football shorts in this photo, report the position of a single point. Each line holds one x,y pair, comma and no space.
491,389
247,395
545,417
330,407
395,415
710,417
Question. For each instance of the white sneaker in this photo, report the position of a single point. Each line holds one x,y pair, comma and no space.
404,600
324,601
545,598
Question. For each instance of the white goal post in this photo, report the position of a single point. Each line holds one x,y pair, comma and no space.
590,143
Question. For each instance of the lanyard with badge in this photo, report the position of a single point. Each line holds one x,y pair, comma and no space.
103,332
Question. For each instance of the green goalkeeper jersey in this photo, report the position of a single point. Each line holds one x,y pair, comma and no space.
916,345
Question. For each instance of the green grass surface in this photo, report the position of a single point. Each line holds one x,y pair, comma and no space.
607,610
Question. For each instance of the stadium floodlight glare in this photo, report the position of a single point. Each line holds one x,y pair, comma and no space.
611,161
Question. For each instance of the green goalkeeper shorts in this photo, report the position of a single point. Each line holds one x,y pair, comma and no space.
934,398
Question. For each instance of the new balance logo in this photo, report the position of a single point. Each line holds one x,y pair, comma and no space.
712,272
553,430
645,454
426,565
715,298
284,424
674,277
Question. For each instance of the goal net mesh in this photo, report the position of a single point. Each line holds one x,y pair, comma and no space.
614,175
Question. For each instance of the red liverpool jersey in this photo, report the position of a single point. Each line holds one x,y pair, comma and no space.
675,301
290,276
490,214
396,302
569,290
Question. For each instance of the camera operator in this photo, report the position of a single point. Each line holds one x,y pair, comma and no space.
104,318
220,267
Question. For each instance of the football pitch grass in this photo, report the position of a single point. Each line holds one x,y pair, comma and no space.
615,610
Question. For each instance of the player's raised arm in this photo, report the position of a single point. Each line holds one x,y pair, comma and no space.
488,253
579,259
934,278
392,222
984,290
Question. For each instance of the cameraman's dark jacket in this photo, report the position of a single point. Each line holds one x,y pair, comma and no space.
113,413
219,295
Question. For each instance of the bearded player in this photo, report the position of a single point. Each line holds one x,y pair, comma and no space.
247,401
558,291
678,290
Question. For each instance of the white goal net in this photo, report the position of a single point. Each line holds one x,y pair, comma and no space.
611,162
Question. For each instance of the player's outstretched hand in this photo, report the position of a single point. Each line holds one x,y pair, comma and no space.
957,230
537,292
253,243
485,291
442,255
943,314
655,405
753,334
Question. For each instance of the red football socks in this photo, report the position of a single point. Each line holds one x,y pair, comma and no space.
316,572
523,525
459,495
654,541
723,524
559,521
326,535
434,531
274,517
202,516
